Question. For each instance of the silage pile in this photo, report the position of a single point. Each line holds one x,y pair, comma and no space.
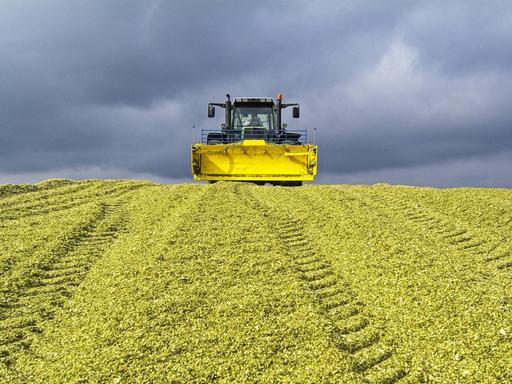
127,281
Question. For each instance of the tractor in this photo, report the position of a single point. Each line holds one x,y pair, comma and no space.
254,145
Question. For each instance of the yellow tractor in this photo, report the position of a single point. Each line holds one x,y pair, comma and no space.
253,145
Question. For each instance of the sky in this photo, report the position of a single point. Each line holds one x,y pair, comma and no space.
400,92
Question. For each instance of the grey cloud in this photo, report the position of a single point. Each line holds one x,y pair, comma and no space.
489,171
117,85
462,37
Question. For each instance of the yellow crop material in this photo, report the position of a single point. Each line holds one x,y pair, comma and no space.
136,282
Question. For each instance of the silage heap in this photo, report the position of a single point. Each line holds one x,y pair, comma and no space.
126,281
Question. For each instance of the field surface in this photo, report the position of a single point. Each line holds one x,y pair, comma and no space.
134,282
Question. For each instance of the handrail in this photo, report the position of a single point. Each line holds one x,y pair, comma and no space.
288,136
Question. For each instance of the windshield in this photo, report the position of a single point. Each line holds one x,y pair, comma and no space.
253,117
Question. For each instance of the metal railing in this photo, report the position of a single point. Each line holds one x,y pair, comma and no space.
288,136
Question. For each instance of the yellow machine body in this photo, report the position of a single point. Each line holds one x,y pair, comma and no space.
254,160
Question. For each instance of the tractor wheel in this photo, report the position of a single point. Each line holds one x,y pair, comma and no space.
291,183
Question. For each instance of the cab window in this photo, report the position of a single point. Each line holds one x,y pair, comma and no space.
252,117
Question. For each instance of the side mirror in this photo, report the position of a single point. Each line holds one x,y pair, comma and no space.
296,112
211,111
285,125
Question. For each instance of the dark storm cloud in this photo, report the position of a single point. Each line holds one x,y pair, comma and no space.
469,36
113,88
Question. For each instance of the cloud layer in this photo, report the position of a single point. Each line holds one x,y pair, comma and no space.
412,93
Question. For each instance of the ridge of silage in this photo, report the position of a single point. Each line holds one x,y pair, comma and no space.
233,282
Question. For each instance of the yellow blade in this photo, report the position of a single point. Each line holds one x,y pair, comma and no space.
254,160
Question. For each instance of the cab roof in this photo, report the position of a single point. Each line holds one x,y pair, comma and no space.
253,99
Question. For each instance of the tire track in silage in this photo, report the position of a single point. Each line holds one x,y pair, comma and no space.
26,306
69,201
39,209
351,329
40,195
458,236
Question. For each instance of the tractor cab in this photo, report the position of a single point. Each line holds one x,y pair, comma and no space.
254,118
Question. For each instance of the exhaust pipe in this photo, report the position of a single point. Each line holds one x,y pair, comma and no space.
228,112
279,100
